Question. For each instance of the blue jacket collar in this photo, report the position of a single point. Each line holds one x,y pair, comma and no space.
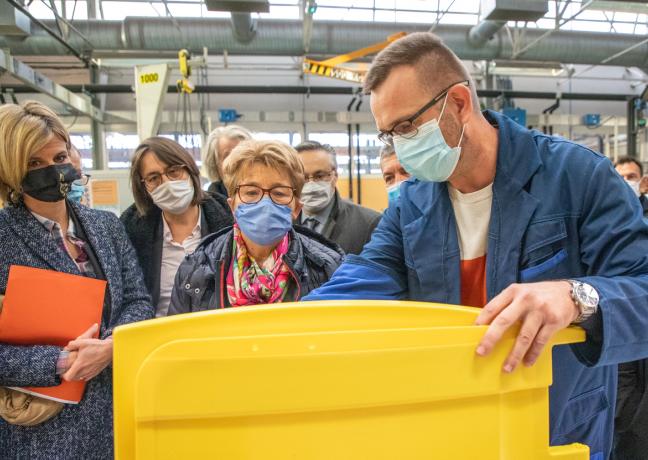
518,158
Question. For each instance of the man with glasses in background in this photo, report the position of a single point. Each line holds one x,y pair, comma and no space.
324,211
539,232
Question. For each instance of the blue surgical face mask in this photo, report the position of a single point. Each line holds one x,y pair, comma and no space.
264,222
427,156
76,192
393,192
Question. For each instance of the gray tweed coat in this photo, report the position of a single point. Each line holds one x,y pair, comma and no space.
83,431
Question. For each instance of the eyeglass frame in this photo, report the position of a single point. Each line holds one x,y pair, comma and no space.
83,180
386,137
311,178
163,173
265,191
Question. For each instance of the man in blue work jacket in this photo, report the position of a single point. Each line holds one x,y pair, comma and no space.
536,230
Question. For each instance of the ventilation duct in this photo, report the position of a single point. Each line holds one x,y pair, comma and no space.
243,27
284,38
484,31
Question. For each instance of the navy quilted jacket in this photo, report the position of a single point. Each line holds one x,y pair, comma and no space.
83,431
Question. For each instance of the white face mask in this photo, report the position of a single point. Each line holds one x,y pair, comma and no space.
173,196
316,196
634,185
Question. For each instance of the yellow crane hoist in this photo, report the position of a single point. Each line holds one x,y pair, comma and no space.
184,84
331,67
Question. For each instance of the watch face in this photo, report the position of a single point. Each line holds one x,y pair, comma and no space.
587,295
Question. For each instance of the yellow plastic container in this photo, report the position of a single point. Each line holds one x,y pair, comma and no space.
328,380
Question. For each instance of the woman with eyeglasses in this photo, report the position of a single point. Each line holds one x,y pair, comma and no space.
171,213
262,259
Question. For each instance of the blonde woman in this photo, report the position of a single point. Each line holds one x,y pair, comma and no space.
41,228
262,259
220,142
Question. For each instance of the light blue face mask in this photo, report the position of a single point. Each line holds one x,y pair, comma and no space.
264,222
393,192
427,155
76,192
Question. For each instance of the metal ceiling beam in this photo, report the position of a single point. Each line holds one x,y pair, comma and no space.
330,90
35,82
559,24
50,32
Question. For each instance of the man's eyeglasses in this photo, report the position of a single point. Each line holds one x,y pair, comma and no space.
319,176
85,178
407,128
153,180
251,194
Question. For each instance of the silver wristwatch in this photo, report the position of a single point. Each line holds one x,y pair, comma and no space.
586,299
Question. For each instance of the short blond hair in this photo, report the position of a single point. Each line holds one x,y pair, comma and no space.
210,149
273,154
24,130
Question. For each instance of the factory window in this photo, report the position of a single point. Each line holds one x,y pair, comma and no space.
120,148
289,138
192,143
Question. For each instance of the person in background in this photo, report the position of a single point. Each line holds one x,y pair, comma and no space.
325,212
218,146
392,171
537,231
632,172
631,419
171,213
262,259
41,229
79,189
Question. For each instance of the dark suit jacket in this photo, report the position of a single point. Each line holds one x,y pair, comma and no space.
81,430
350,225
644,204
145,232
631,420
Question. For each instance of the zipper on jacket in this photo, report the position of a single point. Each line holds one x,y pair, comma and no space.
296,281
222,284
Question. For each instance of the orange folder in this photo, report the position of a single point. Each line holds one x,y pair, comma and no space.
45,307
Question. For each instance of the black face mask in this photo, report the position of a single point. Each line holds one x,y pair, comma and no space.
51,183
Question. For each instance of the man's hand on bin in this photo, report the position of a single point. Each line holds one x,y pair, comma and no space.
542,309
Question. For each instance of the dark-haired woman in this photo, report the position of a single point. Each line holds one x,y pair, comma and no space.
171,213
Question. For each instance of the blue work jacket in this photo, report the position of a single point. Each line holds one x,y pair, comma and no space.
559,211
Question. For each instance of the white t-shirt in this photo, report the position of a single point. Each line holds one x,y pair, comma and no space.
173,253
472,214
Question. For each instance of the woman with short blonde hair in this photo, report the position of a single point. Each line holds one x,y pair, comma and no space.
272,154
43,229
262,259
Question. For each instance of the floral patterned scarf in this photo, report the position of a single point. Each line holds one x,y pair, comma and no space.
248,283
